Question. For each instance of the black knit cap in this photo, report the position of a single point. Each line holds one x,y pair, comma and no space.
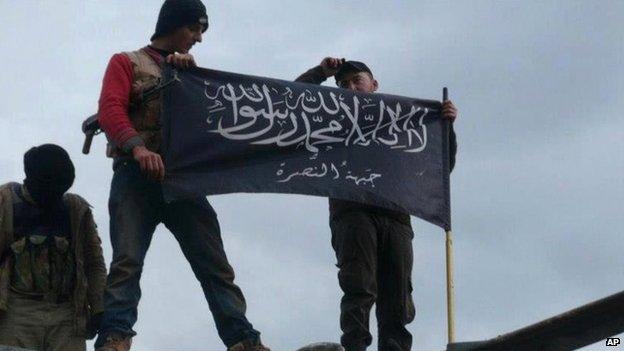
350,67
178,13
49,172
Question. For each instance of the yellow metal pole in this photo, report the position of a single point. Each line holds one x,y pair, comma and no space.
450,288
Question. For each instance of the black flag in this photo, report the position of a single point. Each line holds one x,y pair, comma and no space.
227,132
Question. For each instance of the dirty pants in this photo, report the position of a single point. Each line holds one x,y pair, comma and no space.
375,257
39,325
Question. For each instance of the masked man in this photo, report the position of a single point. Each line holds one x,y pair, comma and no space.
52,271
136,202
373,245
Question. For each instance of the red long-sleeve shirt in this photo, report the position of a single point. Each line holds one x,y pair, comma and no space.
115,101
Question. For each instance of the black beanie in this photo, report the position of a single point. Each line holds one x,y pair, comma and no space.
49,173
177,13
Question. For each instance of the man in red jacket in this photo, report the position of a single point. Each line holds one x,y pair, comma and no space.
136,202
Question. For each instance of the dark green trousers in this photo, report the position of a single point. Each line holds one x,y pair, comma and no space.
375,258
39,325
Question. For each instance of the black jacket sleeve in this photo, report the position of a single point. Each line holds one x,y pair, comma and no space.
313,75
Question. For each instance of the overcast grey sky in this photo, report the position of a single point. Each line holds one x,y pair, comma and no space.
537,192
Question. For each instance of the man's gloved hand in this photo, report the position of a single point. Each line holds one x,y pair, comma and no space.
330,65
93,325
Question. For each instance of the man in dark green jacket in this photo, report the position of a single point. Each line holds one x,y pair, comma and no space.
52,272
373,245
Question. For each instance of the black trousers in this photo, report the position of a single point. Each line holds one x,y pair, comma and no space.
375,258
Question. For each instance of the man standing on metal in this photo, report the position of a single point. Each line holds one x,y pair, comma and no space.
136,203
373,245
52,271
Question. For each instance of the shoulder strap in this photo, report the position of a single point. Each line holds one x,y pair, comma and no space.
144,62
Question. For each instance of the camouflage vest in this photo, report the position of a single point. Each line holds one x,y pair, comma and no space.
144,115
43,261
43,266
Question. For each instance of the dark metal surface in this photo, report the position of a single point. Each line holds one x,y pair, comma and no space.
322,346
11,348
571,330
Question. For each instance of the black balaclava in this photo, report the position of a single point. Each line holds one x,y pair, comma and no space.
49,174
177,13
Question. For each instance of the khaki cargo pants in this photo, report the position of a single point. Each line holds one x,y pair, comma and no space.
39,325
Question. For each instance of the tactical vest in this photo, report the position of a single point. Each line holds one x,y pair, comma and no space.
43,266
43,261
144,115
